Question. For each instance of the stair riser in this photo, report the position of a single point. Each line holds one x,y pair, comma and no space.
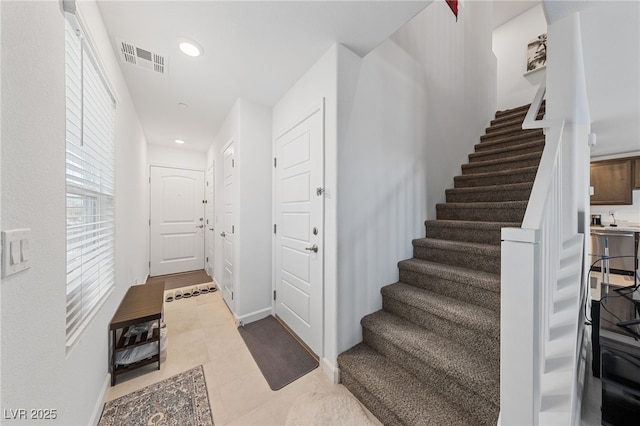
515,214
483,236
488,196
509,120
517,133
477,262
495,141
479,400
518,111
477,342
468,169
469,181
373,404
506,129
453,288
516,150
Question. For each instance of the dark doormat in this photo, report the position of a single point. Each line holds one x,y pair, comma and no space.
281,358
183,279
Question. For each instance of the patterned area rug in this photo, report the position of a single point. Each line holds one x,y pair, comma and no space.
181,400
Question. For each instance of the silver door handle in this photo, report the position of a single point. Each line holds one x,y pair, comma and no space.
313,248
222,234
201,226
210,229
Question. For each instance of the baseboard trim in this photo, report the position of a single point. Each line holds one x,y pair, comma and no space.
331,370
97,410
252,316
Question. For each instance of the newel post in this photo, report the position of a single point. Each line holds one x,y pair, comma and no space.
520,327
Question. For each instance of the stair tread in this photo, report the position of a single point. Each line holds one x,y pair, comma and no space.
484,205
490,188
438,353
465,314
508,120
491,141
505,160
522,109
460,246
473,176
485,280
508,148
520,133
413,401
470,224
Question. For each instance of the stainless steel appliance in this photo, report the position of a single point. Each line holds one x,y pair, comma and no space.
596,220
623,250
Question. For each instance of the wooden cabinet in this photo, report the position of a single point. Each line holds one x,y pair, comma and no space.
612,182
636,173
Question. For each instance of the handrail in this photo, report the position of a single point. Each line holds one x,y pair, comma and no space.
530,121
548,162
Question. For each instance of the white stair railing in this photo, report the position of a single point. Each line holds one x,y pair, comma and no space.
540,296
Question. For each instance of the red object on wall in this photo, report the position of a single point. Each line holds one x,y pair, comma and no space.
453,4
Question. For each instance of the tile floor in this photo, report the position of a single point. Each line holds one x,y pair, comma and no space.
201,331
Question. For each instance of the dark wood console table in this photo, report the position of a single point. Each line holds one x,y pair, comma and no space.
141,304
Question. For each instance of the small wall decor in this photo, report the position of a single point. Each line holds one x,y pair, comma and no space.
537,53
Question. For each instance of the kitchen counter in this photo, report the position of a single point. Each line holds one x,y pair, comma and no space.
623,227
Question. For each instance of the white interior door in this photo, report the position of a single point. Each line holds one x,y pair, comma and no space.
177,220
299,234
228,224
209,220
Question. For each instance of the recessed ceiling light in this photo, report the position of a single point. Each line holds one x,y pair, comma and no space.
190,48
179,141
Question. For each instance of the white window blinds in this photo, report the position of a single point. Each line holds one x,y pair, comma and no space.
90,185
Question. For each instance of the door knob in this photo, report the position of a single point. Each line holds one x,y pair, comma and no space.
200,226
313,248
210,229
223,234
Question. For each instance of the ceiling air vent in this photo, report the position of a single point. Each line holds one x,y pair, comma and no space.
142,58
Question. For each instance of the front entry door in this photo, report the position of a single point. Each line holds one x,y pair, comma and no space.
300,228
228,227
176,220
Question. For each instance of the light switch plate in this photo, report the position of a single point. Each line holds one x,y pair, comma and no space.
15,251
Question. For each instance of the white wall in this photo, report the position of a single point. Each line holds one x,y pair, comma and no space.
254,226
611,41
417,111
249,125
36,370
611,45
510,42
158,155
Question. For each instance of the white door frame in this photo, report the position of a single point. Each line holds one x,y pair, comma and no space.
275,190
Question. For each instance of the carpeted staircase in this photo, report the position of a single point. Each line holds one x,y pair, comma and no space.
431,356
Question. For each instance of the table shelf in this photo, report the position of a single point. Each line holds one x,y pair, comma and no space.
142,304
